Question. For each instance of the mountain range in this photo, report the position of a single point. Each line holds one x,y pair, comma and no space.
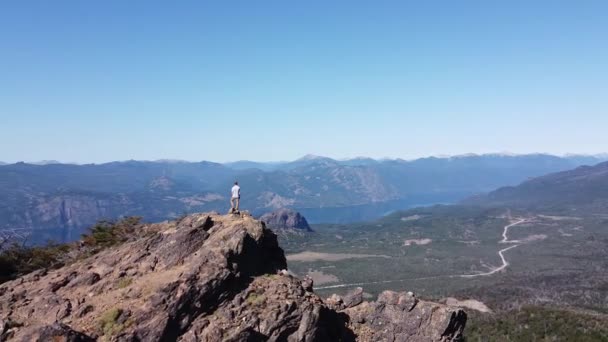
528,259
585,187
61,199
531,260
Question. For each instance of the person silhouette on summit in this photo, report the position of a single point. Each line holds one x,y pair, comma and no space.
235,197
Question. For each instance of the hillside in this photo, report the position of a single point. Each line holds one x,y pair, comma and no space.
205,278
60,200
535,256
585,187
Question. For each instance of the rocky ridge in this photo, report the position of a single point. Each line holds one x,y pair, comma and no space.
205,277
285,219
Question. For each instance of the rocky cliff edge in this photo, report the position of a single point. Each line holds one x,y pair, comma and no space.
205,277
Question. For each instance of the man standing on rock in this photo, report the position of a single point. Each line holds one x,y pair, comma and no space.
235,198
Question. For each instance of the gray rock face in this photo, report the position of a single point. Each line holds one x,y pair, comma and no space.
285,219
402,317
71,211
205,277
351,299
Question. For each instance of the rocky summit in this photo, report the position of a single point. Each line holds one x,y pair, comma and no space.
205,277
285,219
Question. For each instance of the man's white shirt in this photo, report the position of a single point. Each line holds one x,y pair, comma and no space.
236,191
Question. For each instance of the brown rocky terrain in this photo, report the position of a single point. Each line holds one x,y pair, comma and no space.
285,219
205,277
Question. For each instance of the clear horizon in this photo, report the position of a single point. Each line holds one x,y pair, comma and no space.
508,154
91,82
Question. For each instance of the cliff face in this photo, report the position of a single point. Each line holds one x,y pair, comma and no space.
64,214
285,219
205,278
71,211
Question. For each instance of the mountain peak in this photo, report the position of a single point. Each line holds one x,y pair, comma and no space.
285,218
310,157
204,277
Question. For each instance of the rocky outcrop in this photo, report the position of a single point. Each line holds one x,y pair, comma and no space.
205,277
285,219
402,317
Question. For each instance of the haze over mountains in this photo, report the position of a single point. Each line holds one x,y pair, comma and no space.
64,198
531,258
584,187
527,257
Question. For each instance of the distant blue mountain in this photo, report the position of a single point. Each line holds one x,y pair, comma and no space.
584,188
67,197
246,164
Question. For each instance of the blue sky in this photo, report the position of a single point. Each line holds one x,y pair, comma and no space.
86,81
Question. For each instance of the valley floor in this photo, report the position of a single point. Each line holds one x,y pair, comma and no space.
504,260
309,256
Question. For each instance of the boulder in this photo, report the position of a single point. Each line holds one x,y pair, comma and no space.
286,219
399,316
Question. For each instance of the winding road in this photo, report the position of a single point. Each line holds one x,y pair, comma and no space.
505,239
505,263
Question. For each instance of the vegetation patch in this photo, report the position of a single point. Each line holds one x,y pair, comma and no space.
107,233
18,259
108,323
124,282
272,276
254,299
533,323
